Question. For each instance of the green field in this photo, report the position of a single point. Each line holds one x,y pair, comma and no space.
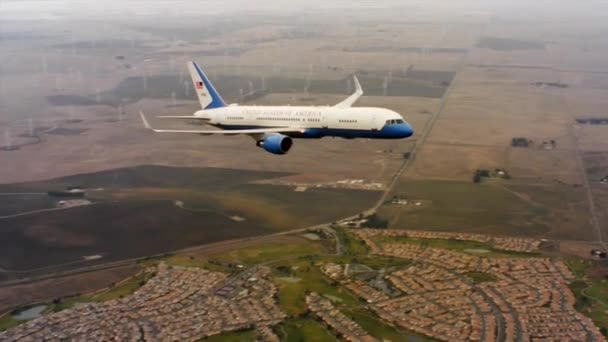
7,321
292,294
305,329
557,211
591,290
469,247
351,244
272,252
236,336
381,330
480,277
184,260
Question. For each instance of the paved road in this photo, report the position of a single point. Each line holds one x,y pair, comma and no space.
595,222
417,143
593,215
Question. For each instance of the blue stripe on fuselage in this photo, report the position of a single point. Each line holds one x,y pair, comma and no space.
397,131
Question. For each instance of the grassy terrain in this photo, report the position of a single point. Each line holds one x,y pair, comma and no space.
305,329
146,227
578,266
375,262
272,252
350,243
210,198
284,208
557,211
124,289
356,251
185,260
236,336
591,290
7,321
292,294
381,330
480,277
458,245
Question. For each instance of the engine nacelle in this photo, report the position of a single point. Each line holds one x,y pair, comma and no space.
276,143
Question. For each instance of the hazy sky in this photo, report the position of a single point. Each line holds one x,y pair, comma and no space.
58,9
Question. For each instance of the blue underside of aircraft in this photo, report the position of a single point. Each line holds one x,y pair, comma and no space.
396,131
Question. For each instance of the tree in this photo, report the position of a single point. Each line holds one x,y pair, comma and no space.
375,221
476,177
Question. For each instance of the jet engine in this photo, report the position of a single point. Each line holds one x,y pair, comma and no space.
276,143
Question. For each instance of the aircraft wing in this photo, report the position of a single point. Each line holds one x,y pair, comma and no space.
224,132
348,102
186,117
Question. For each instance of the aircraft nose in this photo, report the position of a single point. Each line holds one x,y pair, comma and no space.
406,130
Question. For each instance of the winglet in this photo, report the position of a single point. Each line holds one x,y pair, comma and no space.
357,85
348,102
143,118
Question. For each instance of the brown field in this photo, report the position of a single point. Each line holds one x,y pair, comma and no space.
552,211
493,98
45,291
438,161
87,85
596,164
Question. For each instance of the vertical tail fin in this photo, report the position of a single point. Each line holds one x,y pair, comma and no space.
207,95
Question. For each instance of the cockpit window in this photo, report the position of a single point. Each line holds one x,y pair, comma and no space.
393,122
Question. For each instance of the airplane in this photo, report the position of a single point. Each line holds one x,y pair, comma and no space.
274,127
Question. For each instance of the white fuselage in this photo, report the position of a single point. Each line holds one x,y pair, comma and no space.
326,121
273,127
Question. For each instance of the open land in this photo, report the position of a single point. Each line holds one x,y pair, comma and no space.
468,81
191,207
